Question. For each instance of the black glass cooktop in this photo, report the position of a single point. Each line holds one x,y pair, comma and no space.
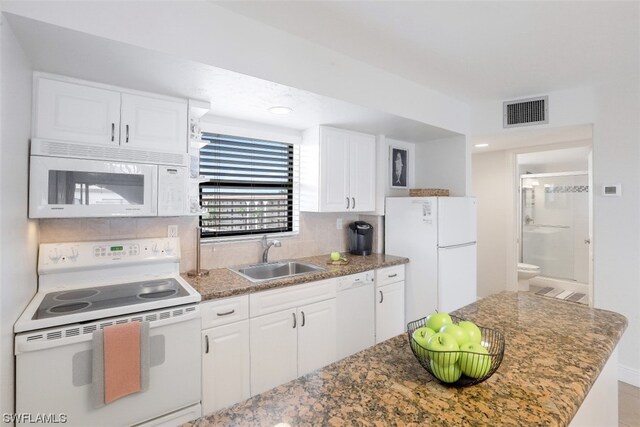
104,297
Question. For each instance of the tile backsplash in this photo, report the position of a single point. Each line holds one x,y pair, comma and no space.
318,235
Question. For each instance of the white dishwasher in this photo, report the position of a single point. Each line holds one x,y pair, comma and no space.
355,301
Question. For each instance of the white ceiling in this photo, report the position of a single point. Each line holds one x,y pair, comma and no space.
474,49
470,50
62,51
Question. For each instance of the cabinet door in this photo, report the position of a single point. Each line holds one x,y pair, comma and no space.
362,172
153,124
76,113
334,178
316,336
273,350
389,311
225,366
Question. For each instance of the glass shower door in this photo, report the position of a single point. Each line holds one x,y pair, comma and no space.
555,224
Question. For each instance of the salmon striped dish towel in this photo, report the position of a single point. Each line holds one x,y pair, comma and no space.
120,362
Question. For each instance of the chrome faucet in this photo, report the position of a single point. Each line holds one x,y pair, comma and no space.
266,245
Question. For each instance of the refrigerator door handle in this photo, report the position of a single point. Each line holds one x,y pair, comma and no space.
461,245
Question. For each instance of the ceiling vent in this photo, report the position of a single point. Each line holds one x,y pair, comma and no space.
525,112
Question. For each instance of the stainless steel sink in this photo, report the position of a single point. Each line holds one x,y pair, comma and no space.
274,270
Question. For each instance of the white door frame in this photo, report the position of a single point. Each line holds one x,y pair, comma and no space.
513,208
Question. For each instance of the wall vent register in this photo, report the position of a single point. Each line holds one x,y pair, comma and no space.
525,112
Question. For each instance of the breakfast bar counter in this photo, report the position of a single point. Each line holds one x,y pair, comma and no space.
554,352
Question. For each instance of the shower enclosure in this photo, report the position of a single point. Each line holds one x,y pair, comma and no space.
555,224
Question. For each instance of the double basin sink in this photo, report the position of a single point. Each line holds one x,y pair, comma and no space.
275,270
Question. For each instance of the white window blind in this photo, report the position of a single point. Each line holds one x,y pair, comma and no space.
251,187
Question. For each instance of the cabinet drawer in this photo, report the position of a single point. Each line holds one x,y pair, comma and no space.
291,296
224,311
387,275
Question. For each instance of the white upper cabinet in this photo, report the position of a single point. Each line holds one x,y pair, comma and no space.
362,172
153,124
76,113
337,171
71,111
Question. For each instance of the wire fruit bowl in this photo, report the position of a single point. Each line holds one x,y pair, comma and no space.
448,363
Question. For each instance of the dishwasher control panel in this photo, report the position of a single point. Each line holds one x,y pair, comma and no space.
355,280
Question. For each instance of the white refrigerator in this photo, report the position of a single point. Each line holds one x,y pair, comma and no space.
438,235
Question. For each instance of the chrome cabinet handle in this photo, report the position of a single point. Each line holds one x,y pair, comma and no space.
381,297
113,131
127,127
353,199
227,313
392,275
295,321
303,319
347,203
206,341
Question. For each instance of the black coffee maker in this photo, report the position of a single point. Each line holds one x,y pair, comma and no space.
360,237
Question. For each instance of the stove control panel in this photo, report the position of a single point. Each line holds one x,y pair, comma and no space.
60,257
119,250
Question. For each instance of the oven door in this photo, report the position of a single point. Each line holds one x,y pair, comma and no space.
54,368
64,188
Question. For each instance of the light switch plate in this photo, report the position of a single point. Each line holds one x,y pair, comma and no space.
172,231
339,224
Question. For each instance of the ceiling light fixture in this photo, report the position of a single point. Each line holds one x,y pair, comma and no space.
481,145
281,111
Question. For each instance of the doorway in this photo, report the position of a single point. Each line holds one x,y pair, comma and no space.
553,222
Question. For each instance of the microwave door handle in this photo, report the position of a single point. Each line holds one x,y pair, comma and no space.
113,131
127,133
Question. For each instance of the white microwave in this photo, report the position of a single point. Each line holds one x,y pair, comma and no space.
63,187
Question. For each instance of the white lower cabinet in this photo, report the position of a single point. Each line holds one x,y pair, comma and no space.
253,343
225,353
316,336
389,311
293,332
274,354
291,343
389,302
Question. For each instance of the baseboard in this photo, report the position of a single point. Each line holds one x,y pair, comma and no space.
629,375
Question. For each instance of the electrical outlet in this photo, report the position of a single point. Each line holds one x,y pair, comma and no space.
339,224
172,231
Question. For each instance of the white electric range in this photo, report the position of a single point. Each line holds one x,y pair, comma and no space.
86,286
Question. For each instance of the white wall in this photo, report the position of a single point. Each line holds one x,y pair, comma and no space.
613,110
616,159
444,163
206,33
566,108
491,178
17,234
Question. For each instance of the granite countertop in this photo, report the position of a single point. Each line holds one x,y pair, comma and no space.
222,283
554,353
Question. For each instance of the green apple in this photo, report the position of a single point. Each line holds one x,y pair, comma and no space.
461,335
436,321
335,256
474,332
447,374
422,335
475,361
443,349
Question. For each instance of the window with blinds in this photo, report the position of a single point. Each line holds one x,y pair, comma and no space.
250,187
